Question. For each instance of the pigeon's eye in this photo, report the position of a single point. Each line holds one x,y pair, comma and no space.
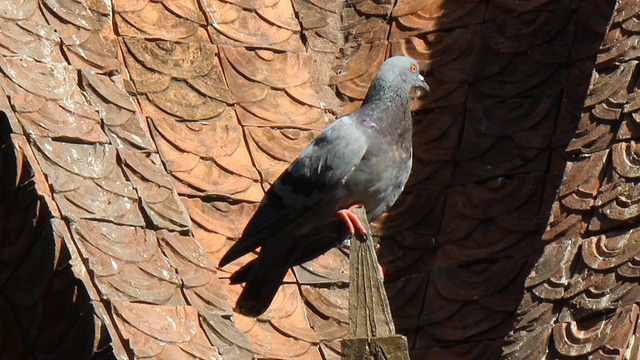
414,68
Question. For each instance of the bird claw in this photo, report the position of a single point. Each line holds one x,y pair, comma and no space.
351,220
353,223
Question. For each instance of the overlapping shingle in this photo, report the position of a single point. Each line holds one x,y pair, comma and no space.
580,297
48,102
264,24
180,20
150,336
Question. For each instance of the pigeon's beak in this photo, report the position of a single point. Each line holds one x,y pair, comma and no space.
423,84
420,86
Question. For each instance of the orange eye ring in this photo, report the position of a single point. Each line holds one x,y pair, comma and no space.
414,68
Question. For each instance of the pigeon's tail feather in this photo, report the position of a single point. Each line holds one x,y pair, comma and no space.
242,275
260,289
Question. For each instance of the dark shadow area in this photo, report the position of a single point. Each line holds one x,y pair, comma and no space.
45,310
508,84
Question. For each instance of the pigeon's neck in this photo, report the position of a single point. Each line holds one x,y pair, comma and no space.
388,104
387,90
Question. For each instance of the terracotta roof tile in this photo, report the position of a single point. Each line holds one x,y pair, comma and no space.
408,299
109,94
180,20
85,32
54,82
231,342
210,216
150,335
572,213
199,169
290,113
320,21
614,203
48,101
415,210
352,79
242,88
415,17
266,25
293,337
614,333
200,286
398,259
280,14
120,273
276,89
380,8
331,267
175,76
19,11
158,197
329,306
481,350
482,243
87,183
273,149
40,272
331,351
482,201
71,12
595,131
449,54
30,38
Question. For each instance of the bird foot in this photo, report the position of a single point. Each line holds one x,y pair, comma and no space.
351,220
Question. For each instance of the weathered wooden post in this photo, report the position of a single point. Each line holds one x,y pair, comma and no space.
372,334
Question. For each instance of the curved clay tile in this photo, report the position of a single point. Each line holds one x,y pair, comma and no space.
331,267
585,279
320,20
268,27
415,17
140,19
273,149
86,182
352,79
271,68
30,38
85,32
151,336
201,169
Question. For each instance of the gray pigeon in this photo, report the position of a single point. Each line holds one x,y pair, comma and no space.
360,159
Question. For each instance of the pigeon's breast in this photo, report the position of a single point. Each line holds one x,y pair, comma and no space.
379,178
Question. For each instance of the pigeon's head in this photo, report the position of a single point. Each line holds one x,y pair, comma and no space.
404,71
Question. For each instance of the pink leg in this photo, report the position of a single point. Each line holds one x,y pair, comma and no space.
351,220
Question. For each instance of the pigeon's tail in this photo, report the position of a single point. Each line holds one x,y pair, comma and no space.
260,288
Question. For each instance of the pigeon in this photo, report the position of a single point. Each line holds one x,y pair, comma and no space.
361,159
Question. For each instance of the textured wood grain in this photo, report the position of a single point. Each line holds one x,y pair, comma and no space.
372,333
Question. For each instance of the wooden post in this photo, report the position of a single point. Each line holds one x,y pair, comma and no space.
372,334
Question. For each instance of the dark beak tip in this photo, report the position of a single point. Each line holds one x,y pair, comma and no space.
421,89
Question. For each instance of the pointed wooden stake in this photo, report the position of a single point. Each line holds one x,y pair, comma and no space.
372,334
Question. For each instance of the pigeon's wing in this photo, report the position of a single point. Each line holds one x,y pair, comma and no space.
322,166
